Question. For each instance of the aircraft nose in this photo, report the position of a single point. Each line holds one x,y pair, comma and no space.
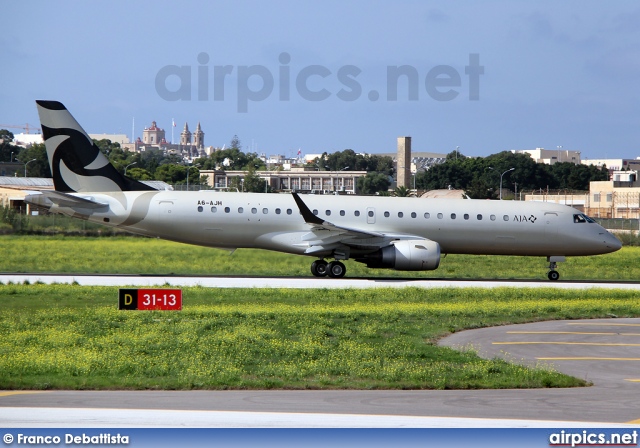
612,242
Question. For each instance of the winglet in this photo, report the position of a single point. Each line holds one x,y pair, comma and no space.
308,216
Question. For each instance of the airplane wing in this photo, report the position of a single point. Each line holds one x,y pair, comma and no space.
326,236
46,197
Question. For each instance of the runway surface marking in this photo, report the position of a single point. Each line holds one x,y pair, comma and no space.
7,393
574,332
603,324
585,358
299,282
142,418
603,344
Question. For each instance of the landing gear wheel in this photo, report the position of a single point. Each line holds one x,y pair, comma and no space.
553,275
319,268
336,269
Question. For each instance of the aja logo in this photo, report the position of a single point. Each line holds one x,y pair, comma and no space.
524,218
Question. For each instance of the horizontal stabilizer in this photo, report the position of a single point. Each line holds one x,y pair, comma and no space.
47,198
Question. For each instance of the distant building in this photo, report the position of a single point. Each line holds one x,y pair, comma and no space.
191,145
304,180
615,164
616,198
403,162
153,135
26,140
550,156
121,139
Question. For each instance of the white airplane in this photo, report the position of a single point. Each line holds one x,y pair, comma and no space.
406,234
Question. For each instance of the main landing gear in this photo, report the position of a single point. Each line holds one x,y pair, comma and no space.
321,268
554,275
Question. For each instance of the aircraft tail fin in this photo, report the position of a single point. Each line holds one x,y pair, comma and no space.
77,165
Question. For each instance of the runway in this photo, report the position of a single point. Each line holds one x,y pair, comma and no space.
605,351
300,282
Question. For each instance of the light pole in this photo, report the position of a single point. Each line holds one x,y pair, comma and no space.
188,168
25,166
336,179
125,168
511,169
559,149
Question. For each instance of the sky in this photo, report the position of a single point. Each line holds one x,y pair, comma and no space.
326,76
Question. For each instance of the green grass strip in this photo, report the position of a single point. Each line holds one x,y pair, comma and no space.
73,337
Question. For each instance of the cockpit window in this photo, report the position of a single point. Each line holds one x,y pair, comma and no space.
580,218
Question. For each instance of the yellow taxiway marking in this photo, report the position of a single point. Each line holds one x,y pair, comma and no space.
633,380
605,344
602,324
574,332
585,358
6,393
634,422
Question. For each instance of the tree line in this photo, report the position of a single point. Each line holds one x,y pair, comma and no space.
479,177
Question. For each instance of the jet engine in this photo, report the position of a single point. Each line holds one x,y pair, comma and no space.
405,255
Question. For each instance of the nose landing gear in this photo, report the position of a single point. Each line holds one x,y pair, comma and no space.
554,275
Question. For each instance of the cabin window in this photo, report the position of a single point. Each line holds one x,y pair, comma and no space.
413,214
466,216
289,211
315,211
341,212
370,213
440,215
265,211
492,217
254,210
427,216
356,213
479,217
506,217
386,214
400,214
200,208
214,209
227,210
453,216
327,212
278,211
240,210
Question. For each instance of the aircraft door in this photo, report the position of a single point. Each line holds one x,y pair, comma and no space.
371,215
164,207
551,224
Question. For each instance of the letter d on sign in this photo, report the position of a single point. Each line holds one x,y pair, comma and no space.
128,299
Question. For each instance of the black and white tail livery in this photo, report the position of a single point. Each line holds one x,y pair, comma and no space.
77,165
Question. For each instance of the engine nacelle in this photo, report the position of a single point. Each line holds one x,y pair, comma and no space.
406,255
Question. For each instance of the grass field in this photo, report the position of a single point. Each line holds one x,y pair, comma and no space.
127,255
73,337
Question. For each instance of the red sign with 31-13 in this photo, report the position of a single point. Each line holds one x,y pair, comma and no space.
150,299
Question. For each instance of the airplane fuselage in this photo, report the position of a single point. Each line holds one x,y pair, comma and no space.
406,234
273,221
